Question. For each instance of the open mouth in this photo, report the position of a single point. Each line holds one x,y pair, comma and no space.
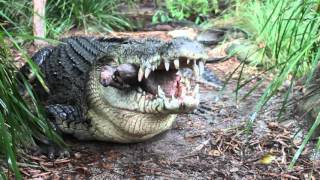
166,81
163,87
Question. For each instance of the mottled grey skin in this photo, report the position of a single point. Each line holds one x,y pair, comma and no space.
108,88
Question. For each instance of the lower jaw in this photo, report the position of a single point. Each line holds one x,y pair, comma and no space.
128,127
139,103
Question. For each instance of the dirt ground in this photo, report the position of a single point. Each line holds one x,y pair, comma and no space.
210,143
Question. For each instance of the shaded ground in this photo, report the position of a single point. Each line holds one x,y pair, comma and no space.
208,144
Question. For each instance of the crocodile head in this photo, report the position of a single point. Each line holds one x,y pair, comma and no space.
145,84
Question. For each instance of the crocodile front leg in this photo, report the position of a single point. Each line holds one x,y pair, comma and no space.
66,119
69,120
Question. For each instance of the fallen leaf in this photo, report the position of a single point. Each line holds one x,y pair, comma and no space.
214,152
267,159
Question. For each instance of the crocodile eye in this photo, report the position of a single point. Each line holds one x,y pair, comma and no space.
114,78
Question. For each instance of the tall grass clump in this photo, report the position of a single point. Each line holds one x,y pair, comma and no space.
21,120
16,15
283,28
99,15
289,31
63,15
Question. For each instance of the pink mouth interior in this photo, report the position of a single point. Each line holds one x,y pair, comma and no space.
169,82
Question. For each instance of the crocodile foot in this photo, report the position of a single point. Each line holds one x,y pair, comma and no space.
51,150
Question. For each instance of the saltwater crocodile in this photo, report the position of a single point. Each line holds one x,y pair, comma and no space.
118,89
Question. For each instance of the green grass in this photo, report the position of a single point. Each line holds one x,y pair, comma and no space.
194,10
63,15
100,16
290,33
20,121
16,15
285,28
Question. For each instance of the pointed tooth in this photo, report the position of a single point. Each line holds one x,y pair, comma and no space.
140,74
196,71
160,92
201,67
139,90
172,97
167,65
196,90
176,63
188,61
154,68
147,73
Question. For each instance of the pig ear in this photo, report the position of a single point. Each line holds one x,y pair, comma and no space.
127,68
127,71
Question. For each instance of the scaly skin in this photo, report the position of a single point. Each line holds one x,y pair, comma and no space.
133,109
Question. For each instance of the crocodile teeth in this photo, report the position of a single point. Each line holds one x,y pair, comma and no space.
147,73
172,97
188,61
196,90
139,90
176,63
140,74
201,67
196,69
154,68
160,92
167,65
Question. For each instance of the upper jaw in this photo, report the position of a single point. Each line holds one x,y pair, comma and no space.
175,54
197,66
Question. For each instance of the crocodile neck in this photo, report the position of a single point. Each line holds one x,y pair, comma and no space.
118,125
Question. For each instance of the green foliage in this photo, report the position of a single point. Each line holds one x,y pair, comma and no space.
20,121
161,16
305,141
291,34
284,28
289,31
99,15
16,15
195,10
62,15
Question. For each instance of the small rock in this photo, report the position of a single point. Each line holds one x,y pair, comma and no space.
273,125
234,169
77,155
214,152
223,112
